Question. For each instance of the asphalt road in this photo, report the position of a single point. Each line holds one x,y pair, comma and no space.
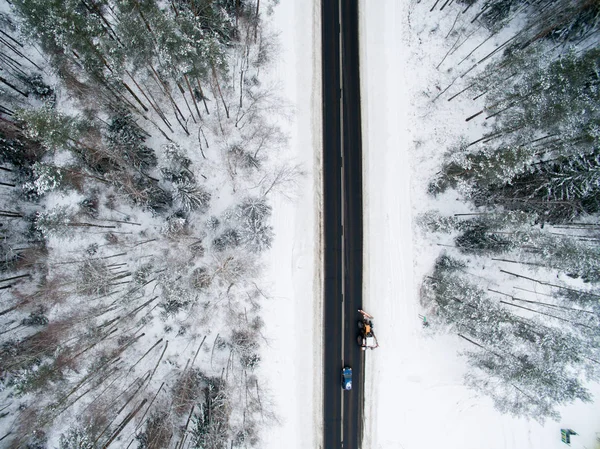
343,229
332,224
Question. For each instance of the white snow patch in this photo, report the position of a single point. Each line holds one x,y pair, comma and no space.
291,361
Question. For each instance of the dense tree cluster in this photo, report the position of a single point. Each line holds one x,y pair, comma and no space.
138,158
532,182
526,366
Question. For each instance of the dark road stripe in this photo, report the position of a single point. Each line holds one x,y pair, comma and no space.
342,138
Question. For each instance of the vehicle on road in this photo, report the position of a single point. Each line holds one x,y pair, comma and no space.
347,378
367,338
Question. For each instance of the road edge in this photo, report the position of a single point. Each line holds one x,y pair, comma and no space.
318,293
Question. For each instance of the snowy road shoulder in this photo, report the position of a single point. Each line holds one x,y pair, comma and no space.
292,360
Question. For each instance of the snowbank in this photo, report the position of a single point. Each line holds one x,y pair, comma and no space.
292,358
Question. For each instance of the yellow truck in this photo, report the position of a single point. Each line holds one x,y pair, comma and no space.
366,338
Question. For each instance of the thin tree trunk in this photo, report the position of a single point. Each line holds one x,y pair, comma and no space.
444,5
548,283
152,102
447,53
500,47
12,39
24,57
137,309
471,117
145,354
165,88
149,406
500,111
476,48
553,306
462,91
90,225
547,314
135,96
142,382
187,423
466,39
106,22
158,361
15,277
256,20
443,91
84,380
124,423
186,102
13,87
5,110
187,82
517,261
484,9
6,213
202,95
10,59
200,141
219,89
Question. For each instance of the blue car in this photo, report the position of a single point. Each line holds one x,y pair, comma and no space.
347,378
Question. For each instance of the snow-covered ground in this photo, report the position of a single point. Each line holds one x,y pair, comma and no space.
291,362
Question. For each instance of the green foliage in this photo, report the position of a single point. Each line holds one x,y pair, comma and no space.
211,421
433,221
201,278
53,222
46,178
253,215
36,318
482,169
63,26
546,158
36,378
561,96
177,168
559,20
38,88
448,264
53,129
192,197
126,139
496,12
37,439
244,343
112,60
249,226
17,149
480,239
176,295
562,253
230,238
76,438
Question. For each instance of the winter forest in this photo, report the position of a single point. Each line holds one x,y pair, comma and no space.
518,276
140,145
